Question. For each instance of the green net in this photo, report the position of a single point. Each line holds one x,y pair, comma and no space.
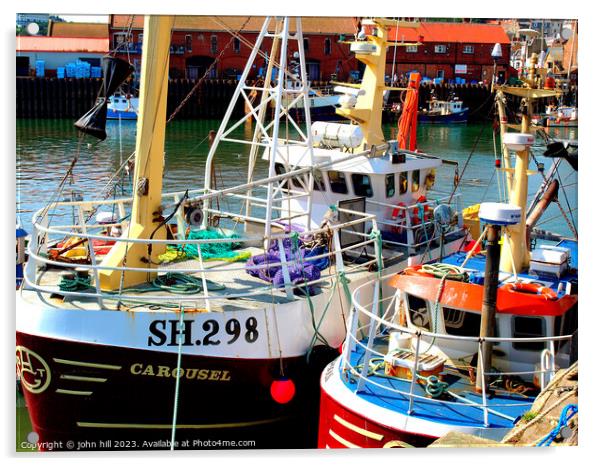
218,251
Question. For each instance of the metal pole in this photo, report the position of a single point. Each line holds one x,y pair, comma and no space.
492,268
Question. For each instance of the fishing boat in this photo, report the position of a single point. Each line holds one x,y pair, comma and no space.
558,117
444,111
178,320
122,107
465,343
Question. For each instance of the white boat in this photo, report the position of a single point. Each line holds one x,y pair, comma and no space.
144,324
444,111
122,107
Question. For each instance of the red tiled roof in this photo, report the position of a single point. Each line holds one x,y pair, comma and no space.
61,29
453,32
310,24
61,44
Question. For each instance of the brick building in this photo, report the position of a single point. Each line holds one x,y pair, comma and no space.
450,50
198,40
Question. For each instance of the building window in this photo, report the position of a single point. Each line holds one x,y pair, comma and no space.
415,180
140,38
361,185
338,183
390,185
403,182
327,46
188,42
441,74
440,48
214,44
306,45
120,38
468,49
236,45
412,48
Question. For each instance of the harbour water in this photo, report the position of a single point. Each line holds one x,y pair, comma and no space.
46,149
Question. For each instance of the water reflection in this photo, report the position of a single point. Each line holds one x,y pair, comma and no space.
45,149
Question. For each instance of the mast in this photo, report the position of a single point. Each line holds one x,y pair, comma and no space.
515,255
148,177
367,112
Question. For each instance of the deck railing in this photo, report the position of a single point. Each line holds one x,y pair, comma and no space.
374,319
44,234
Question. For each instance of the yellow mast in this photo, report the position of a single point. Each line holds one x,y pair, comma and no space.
515,253
367,112
149,161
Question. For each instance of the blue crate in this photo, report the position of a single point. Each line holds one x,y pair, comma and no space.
71,70
96,72
60,72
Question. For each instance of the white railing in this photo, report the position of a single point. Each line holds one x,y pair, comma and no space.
406,214
44,235
376,318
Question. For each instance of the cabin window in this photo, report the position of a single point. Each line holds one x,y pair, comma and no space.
403,182
327,46
318,181
440,48
361,185
338,183
415,180
390,185
214,44
461,323
188,40
419,314
468,49
411,48
280,170
528,327
236,45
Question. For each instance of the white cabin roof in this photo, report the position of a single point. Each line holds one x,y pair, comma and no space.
299,156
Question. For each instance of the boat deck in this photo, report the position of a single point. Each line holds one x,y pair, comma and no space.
232,275
504,407
477,264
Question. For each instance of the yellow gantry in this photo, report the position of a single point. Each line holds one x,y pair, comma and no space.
149,161
367,112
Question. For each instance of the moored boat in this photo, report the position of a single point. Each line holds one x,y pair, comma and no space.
467,342
208,313
122,107
444,111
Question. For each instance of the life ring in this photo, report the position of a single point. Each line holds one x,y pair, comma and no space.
416,270
398,214
536,289
416,211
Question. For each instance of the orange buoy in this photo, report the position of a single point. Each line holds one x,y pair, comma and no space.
531,288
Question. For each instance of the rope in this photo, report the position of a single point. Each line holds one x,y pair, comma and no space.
433,386
177,389
209,69
567,413
537,418
171,282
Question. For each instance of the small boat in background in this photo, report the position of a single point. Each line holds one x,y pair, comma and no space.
444,111
122,107
562,116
